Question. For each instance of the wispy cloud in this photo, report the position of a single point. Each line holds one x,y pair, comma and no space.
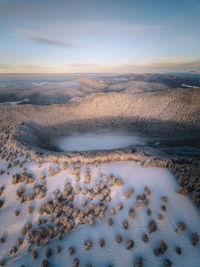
161,66
49,41
5,66
102,27
54,32
29,69
92,67
81,65
46,37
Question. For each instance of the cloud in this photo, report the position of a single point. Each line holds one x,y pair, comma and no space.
27,68
45,37
157,66
92,67
192,71
48,41
5,66
161,67
52,33
80,65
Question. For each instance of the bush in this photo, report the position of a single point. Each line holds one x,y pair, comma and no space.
194,239
138,262
120,206
125,224
58,249
145,238
48,252
147,191
129,192
112,211
75,262
181,226
2,239
167,263
148,211
163,208
35,255
71,251
164,199
110,221
102,242
129,244
178,250
44,263
152,226
1,203
17,212
88,244
118,238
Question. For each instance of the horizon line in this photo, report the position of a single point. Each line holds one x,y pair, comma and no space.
87,73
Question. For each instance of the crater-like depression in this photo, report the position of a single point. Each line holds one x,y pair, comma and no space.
98,140
102,134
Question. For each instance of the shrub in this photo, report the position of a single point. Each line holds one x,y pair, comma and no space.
152,226
112,211
118,238
148,211
102,242
138,262
44,263
129,244
129,192
17,212
163,208
167,263
145,238
110,221
181,226
125,224
35,255
120,206
58,249
194,239
88,244
48,252
1,203
75,262
164,199
178,250
147,191
71,251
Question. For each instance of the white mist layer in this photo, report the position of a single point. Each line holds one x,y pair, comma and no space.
98,141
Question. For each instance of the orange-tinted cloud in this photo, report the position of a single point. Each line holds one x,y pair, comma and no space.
81,67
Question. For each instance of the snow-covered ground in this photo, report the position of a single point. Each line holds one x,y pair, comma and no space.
189,86
14,103
54,84
98,141
160,182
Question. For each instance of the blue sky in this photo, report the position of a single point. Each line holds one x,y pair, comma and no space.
99,36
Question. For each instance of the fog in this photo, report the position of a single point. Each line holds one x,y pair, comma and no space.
100,140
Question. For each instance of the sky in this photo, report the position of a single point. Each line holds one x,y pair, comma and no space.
99,36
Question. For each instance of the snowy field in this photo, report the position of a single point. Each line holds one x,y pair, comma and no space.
158,182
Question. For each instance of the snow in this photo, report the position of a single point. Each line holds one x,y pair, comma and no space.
161,183
56,84
14,103
99,140
189,86
120,79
